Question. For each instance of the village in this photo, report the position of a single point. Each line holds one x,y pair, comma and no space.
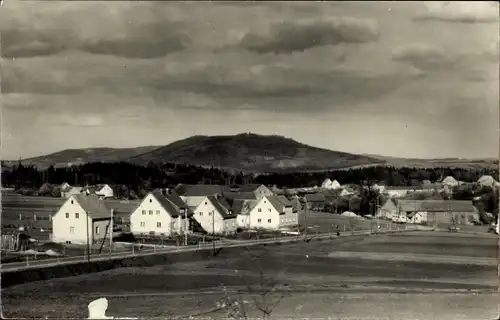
87,214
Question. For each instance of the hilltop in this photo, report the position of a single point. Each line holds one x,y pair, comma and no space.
252,153
81,156
248,153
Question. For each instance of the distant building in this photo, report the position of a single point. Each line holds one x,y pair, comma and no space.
241,208
488,181
450,182
80,219
271,213
400,191
104,191
315,201
71,191
329,184
161,214
258,190
215,216
64,187
429,211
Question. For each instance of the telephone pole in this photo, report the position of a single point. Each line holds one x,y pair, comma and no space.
305,218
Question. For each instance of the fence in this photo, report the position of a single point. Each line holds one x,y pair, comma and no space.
135,250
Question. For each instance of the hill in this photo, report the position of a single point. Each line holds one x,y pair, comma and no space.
252,153
80,156
437,163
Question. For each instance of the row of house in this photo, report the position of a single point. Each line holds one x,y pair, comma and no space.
211,209
429,211
104,191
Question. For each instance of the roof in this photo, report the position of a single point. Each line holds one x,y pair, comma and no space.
389,188
276,203
296,205
93,206
243,206
172,203
247,187
284,200
486,180
434,205
122,207
240,195
199,190
315,197
222,207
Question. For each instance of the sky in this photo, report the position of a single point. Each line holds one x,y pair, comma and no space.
406,79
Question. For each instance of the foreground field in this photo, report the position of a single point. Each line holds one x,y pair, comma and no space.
313,280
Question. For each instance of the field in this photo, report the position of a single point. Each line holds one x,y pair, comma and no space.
430,275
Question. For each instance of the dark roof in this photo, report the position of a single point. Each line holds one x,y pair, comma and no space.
122,207
276,203
243,206
285,201
435,205
93,206
222,207
315,197
247,187
240,195
198,190
172,204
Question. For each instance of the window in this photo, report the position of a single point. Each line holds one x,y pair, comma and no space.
158,224
201,214
150,212
77,215
72,230
268,220
259,220
143,212
259,210
143,224
206,203
150,200
157,212
96,229
265,201
210,213
71,201
67,215
269,209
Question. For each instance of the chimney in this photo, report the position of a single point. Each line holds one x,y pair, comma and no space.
167,191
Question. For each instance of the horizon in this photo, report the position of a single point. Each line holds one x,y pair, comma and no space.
412,80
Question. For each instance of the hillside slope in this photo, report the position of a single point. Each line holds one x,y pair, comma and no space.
79,156
252,153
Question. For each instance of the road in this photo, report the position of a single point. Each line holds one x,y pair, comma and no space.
46,263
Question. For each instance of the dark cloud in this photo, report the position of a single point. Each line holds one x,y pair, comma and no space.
423,57
146,40
289,37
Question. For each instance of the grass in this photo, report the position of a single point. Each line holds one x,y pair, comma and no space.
303,272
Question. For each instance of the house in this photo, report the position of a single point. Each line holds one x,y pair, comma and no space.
121,212
315,201
71,191
450,182
378,187
429,211
270,213
199,190
64,187
82,218
104,191
487,181
239,195
399,191
259,190
215,216
161,213
241,208
290,215
329,184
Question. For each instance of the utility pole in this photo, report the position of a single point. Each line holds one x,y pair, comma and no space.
88,243
305,218
213,232
111,226
185,228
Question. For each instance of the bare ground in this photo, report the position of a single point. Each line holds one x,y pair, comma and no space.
313,281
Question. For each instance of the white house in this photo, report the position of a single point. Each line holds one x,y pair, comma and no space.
330,184
80,219
161,214
241,208
215,216
105,191
450,181
270,213
64,187
71,191
258,190
487,181
398,191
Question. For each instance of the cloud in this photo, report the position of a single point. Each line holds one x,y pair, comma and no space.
422,56
132,31
460,11
288,37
